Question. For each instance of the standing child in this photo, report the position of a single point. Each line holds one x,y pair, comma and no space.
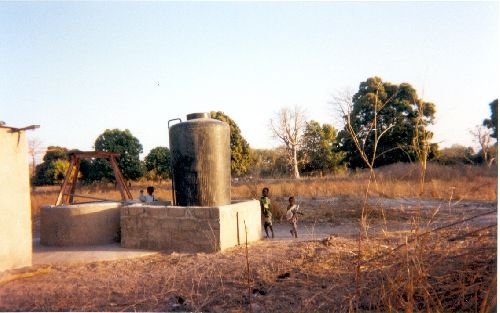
265,207
292,215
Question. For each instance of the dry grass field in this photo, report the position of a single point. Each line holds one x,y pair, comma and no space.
431,253
444,271
394,181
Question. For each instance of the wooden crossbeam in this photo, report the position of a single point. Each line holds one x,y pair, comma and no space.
93,154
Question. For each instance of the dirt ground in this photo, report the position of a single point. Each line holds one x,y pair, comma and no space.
327,269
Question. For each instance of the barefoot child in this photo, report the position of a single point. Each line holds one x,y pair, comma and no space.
292,215
265,207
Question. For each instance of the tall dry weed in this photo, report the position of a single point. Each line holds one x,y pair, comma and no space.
448,270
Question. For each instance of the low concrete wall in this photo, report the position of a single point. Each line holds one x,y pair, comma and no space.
233,219
189,229
15,205
80,224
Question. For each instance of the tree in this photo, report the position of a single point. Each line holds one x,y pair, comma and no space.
319,148
381,123
269,163
456,154
158,162
55,153
240,149
434,152
482,136
421,145
129,147
492,122
288,127
53,168
34,149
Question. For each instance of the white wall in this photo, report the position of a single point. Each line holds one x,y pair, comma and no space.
15,206
232,223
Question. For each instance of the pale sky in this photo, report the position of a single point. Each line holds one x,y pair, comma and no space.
79,68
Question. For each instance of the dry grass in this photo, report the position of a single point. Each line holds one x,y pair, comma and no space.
455,183
394,181
449,270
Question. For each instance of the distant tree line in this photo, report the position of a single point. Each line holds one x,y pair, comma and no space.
385,120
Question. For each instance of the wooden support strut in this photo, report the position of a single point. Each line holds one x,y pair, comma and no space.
60,197
75,178
119,179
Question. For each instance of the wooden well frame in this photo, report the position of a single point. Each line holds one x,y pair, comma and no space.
68,187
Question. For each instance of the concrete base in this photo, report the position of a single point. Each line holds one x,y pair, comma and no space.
190,229
83,254
80,224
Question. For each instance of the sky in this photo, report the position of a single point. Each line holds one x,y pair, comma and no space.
79,68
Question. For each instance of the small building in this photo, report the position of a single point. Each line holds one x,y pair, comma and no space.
15,203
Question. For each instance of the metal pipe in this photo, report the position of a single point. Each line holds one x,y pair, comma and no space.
171,166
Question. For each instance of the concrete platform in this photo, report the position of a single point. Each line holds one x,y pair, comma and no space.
190,229
83,254
82,224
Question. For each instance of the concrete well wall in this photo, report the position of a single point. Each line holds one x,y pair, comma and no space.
80,224
234,217
15,205
189,229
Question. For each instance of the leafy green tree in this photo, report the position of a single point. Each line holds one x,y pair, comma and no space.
492,122
382,108
53,168
55,153
269,163
86,171
158,162
129,147
319,148
240,149
434,152
457,154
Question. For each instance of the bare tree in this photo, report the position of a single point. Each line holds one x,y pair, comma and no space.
482,136
34,149
288,126
342,102
421,142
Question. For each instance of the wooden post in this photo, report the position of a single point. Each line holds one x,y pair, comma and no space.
65,183
75,177
119,179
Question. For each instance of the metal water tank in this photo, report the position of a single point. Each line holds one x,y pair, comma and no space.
201,161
